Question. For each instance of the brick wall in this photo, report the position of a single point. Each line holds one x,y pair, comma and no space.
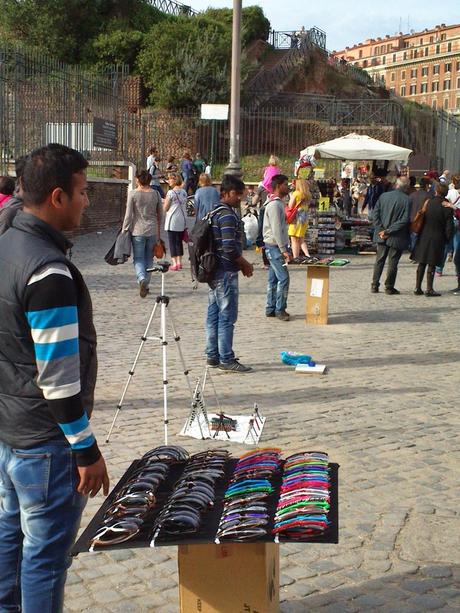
107,199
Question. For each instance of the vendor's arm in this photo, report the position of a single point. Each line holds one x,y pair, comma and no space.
50,303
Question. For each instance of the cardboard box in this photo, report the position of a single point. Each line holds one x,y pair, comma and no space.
230,578
317,299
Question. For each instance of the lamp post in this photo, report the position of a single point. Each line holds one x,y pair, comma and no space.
234,167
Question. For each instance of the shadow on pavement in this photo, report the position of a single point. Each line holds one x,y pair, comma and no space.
432,587
409,315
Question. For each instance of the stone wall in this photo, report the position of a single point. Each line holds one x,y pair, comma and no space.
107,199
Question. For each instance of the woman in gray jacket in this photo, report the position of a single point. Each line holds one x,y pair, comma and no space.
143,219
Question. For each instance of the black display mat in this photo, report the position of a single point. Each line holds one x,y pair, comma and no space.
211,518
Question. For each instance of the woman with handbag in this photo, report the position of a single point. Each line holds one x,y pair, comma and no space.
297,219
435,233
175,220
143,219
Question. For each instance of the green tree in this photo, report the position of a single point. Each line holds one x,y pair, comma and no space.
185,61
254,24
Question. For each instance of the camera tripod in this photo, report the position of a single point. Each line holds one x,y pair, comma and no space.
164,302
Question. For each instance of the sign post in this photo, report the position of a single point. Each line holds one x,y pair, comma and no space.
213,113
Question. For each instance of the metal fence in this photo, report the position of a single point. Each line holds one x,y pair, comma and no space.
173,8
43,100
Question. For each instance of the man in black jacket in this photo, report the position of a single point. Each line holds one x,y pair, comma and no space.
49,458
391,220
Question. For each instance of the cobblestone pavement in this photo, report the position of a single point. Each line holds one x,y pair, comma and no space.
387,412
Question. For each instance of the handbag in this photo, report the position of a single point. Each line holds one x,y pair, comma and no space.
416,225
291,214
159,249
185,236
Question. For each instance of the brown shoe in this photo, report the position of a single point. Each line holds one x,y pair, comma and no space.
143,289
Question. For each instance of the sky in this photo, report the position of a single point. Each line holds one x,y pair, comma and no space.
360,21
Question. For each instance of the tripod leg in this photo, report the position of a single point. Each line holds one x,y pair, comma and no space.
131,372
207,375
179,348
164,344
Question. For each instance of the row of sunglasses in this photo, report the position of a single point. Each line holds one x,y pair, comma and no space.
125,517
245,513
302,509
304,501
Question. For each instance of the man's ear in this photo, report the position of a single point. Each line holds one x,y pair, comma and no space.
58,198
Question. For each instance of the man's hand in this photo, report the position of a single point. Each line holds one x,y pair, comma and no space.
382,235
287,256
92,478
246,268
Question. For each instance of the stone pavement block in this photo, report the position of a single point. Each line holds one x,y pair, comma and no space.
427,602
436,571
369,601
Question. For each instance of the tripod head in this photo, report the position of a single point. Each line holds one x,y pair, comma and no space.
160,266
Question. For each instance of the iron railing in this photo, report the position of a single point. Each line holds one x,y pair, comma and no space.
173,8
291,38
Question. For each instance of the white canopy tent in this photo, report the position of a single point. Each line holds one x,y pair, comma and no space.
358,147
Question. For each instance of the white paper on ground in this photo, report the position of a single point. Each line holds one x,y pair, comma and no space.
316,288
318,369
241,435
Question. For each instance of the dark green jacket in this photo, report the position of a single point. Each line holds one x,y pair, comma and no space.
392,214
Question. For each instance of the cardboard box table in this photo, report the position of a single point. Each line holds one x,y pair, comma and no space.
229,578
317,295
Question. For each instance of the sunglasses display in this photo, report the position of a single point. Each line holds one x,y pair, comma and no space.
168,497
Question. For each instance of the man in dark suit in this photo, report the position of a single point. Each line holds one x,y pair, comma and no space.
391,220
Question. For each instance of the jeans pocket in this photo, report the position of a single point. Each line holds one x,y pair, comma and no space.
30,475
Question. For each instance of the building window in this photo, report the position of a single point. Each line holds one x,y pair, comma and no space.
458,82
426,51
364,63
415,53
384,59
413,90
435,86
434,104
421,41
425,71
447,67
446,85
404,56
458,66
360,53
458,103
436,69
443,37
449,47
403,75
403,90
394,57
431,39
424,88
413,73
438,49
446,104
392,76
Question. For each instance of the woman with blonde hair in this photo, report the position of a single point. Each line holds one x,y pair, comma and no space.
175,220
270,171
300,201
206,196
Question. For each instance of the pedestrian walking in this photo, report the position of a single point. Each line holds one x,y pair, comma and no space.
438,228
153,167
49,458
276,242
206,196
188,173
199,164
453,201
223,292
143,220
391,233
175,219
417,199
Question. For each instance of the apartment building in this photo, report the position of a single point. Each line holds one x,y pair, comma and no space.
421,66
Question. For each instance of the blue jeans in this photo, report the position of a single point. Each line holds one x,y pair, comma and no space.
40,511
222,316
143,256
278,281
451,247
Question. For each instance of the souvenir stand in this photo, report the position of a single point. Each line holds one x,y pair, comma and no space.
230,560
350,147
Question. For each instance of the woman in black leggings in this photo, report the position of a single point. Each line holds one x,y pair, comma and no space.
438,228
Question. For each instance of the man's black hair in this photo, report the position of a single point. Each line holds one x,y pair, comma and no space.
278,180
412,181
19,165
229,183
50,167
424,183
6,186
441,190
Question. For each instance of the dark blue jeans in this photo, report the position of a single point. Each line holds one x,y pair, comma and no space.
40,511
143,256
278,281
222,316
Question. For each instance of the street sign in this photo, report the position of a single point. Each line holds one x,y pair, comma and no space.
214,111
104,133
